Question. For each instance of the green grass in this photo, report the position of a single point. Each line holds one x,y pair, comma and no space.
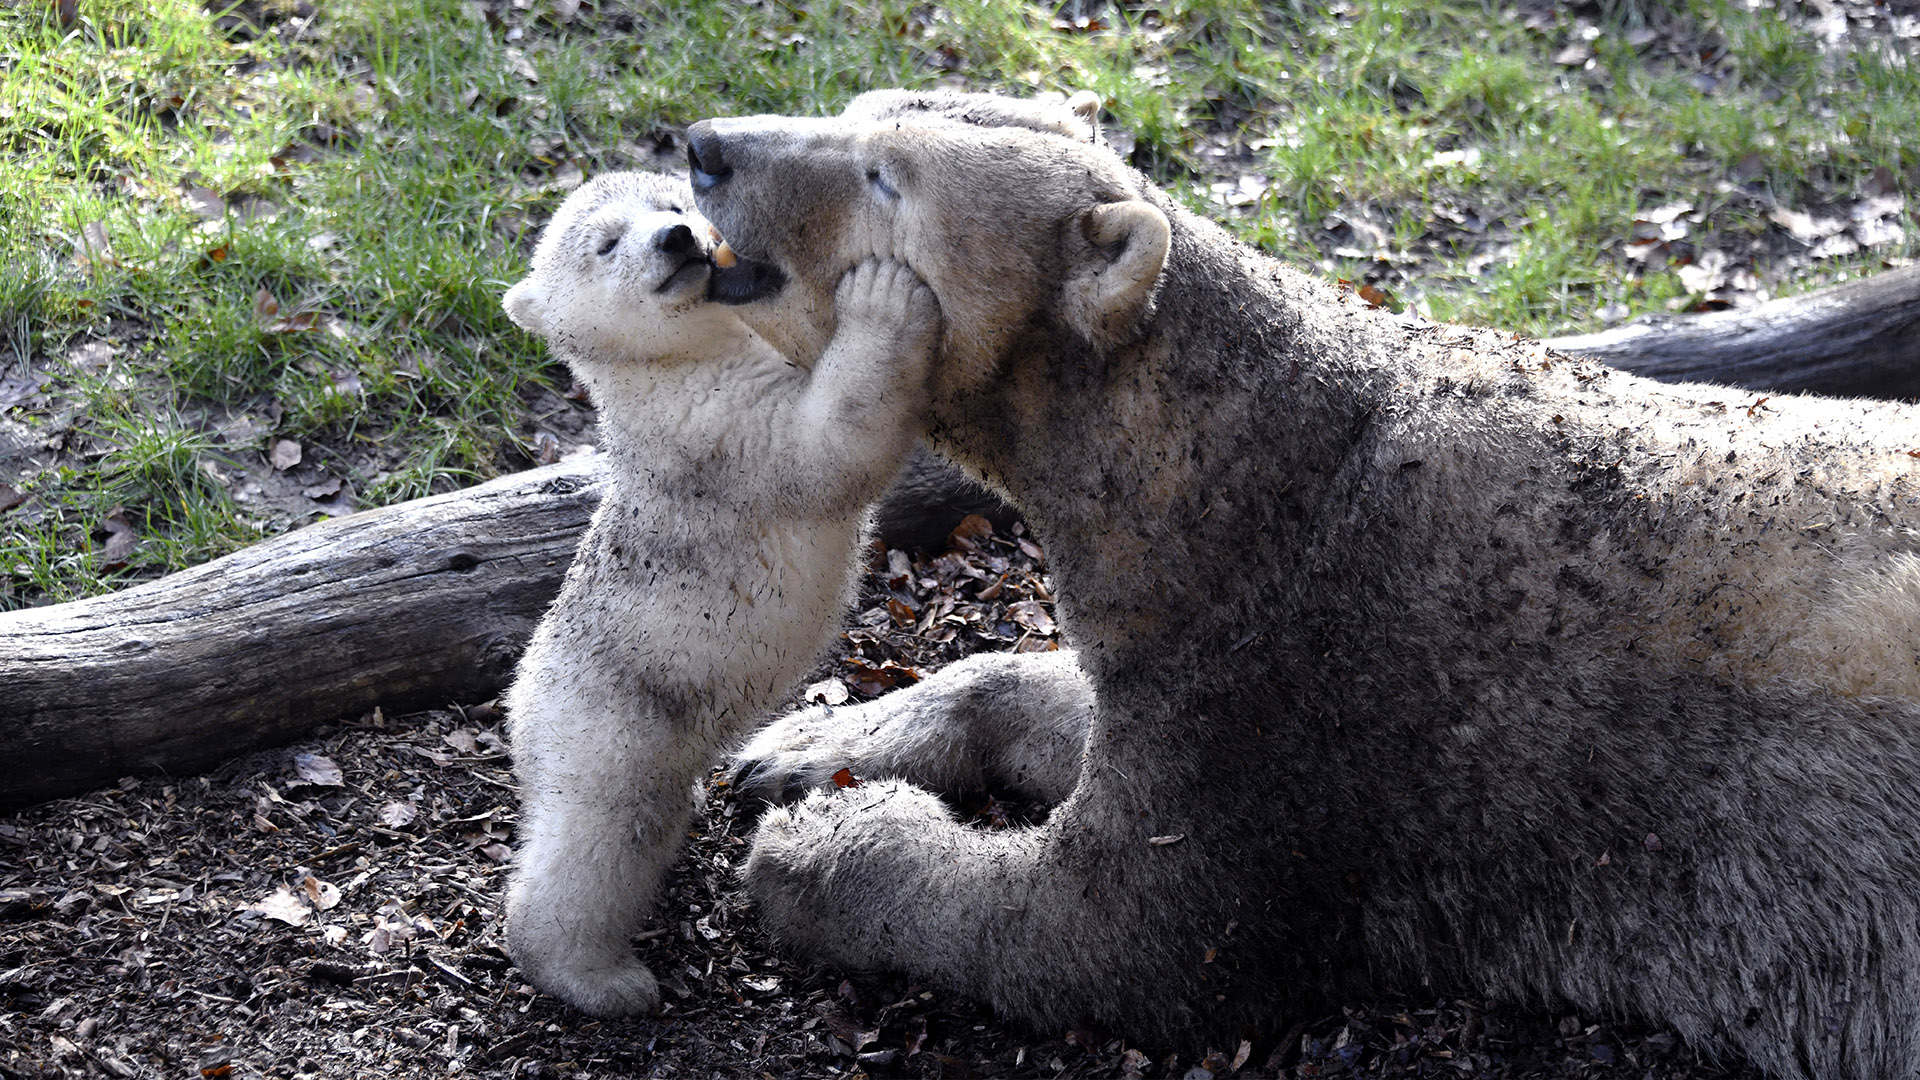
378,168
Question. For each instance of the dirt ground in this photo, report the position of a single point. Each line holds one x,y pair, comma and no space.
332,910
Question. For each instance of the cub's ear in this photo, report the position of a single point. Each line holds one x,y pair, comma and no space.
1115,271
1086,105
526,305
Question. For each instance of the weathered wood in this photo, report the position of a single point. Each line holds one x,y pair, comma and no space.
1860,339
430,601
408,606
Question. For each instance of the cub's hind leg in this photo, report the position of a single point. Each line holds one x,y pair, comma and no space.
604,805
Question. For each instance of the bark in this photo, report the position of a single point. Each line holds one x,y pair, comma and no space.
430,602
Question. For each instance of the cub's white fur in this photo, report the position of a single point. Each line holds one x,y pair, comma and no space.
711,576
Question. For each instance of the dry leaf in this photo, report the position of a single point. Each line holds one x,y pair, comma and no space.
826,691
121,542
322,894
845,1028
265,306
499,853
845,779
90,356
972,528
1029,614
285,454
1163,841
283,906
1804,226
205,202
94,248
1574,55
397,814
462,739
11,497
318,770
1374,295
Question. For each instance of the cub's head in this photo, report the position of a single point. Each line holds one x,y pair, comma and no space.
621,273
1012,211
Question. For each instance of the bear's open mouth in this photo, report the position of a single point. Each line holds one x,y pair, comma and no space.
744,282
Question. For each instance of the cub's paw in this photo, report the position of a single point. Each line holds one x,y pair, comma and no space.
627,989
888,296
792,756
601,981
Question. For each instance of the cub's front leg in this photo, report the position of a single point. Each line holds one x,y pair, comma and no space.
861,410
604,802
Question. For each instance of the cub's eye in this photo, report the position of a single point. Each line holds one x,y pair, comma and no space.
607,245
675,210
880,184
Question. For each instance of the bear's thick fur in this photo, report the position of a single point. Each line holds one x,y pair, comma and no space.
714,569
1408,656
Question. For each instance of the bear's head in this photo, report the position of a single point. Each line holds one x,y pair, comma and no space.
620,274
1011,211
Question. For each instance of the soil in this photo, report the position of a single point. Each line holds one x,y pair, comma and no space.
333,910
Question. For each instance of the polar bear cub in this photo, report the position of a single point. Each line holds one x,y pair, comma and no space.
714,570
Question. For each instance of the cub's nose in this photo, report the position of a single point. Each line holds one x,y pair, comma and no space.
707,159
674,240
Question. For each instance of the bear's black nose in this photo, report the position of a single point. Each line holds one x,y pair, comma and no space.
674,240
707,161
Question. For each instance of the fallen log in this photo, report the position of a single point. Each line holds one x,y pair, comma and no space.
413,605
1860,339
429,602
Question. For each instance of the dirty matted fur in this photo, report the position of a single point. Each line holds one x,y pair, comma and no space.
714,569
1404,655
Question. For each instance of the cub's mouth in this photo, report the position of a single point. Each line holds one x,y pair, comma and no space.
685,276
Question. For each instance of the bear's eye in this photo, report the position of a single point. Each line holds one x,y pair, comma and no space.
607,245
880,184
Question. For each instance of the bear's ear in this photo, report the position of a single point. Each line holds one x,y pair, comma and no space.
526,305
1110,286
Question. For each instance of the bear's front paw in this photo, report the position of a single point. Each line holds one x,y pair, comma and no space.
783,875
789,758
835,875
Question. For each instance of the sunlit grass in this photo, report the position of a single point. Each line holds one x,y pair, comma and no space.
378,167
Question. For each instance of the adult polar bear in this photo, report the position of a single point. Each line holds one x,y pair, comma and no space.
1407,655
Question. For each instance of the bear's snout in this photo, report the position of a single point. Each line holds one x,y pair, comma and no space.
707,160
